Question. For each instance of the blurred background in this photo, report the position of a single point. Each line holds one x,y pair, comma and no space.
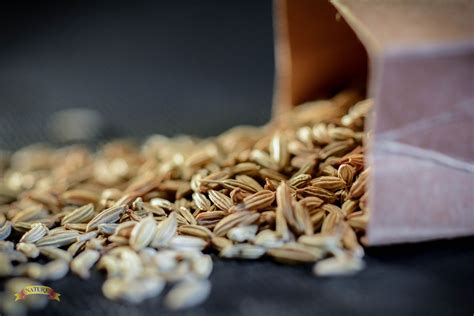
143,67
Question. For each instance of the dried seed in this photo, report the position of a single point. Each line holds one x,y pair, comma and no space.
165,231
79,197
258,201
59,230
220,243
201,201
82,264
187,242
320,133
97,243
75,247
30,250
6,246
249,184
281,225
272,174
125,229
222,201
6,267
55,253
5,230
198,159
349,206
22,227
337,149
306,168
341,133
243,251
110,215
328,170
279,150
186,216
34,270
30,214
243,233
146,208
268,239
331,221
304,135
293,253
339,265
249,168
55,270
233,220
285,205
187,294
350,241
318,192
311,202
346,172
73,226
110,264
329,183
107,229
58,240
143,233
86,236
299,180
202,266
163,203
166,261
355,160
358,220
267,217
133,291
17,256
302,219
210,219
263,159
196,231
358,188
325,241
117,240
80,215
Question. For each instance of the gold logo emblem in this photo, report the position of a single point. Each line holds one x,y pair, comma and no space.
37,290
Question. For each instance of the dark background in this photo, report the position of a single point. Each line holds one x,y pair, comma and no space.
196,67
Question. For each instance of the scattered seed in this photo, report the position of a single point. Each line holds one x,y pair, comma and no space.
82,264
30,250
143,233
187,294
339,265
58,240
80,215
294,191
165,231
110,215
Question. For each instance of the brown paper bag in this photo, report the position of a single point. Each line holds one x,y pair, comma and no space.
420,61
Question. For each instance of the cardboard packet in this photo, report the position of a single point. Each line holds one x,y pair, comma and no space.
416,59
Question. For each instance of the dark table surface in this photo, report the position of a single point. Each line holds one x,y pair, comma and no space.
196,67
424,279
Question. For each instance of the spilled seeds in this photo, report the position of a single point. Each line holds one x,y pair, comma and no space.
293,191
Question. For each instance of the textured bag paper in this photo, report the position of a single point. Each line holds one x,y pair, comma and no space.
420,61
